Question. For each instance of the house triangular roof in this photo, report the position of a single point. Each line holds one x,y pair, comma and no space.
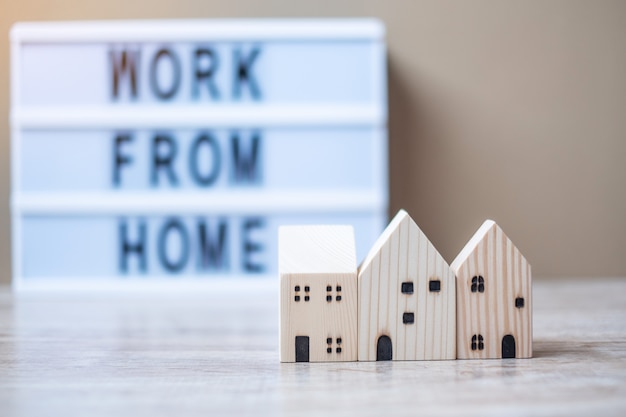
401,217
476,240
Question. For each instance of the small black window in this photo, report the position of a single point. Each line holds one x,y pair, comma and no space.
338,288
329,342
477,342
307,298
329,288
297,288
338,298
408,318
407,288
519,302
297,298
434,285
329,298
307,288
478,284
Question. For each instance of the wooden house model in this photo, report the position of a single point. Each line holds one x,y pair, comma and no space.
494,299
318,294
407,307
403,302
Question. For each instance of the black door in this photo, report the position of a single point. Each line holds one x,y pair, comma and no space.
302,348
508,347
383,349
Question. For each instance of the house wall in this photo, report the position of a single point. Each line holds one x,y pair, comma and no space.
492,314
407,257
318,318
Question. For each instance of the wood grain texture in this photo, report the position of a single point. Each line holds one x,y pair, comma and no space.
491,275
403,254
321,259
216,354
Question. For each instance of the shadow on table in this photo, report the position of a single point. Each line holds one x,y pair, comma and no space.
562,348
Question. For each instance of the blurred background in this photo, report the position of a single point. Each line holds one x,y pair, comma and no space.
514,111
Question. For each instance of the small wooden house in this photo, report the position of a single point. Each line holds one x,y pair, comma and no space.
494,299
318,294
407,308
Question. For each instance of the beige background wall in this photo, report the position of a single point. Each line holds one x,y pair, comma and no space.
511,110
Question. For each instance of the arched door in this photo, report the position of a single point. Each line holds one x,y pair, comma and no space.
508,347
384,349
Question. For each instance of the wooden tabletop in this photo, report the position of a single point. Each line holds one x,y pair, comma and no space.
188,354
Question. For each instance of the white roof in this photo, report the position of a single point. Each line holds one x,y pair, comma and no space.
316,249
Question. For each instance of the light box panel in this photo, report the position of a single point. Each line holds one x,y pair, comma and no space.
180,129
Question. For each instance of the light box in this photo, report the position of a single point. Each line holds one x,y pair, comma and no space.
199,138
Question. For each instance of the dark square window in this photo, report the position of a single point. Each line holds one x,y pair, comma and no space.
329,298
339,340
408,318
307,288
519,302
297,288
338,298
338,287
407,288
307,298
338,350
434,285
329,340
297,298
329,288
329,350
